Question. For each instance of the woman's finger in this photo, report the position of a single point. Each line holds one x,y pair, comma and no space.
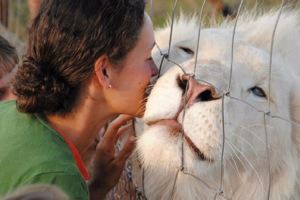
111,132
122,131
126,151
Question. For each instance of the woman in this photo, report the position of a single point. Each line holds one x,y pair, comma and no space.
87,62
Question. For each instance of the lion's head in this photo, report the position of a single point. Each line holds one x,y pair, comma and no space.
187,164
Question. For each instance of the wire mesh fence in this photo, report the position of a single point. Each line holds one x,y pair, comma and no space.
267,115
16,13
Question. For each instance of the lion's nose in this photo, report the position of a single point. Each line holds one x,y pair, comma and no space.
196,92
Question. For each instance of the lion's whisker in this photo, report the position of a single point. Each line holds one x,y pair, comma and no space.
234,152
246,142
249,163
234,163
251,132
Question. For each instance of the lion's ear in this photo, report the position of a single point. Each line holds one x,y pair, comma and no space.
287,36
295,114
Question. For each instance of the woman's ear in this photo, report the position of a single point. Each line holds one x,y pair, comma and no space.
101,71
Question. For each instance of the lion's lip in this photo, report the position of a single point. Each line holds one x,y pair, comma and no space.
195,149
173,124
176,128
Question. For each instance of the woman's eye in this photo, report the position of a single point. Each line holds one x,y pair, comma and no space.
257,91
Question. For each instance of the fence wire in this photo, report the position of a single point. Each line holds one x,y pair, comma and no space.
267,115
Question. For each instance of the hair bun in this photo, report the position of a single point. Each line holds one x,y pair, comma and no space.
39,87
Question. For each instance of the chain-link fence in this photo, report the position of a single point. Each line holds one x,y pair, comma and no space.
225,95
14,15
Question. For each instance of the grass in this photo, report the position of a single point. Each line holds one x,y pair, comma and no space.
18,18
162,10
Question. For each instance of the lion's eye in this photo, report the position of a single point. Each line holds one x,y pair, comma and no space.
258,92
187,50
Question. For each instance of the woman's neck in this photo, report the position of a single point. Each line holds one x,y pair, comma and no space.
83,124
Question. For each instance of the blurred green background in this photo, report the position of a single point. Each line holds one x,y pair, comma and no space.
160,11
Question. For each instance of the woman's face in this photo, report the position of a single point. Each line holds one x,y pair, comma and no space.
127,94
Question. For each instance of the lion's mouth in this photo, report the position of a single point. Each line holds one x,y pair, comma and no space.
175,128
191,91
196,150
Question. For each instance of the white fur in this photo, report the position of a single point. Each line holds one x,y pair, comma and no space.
245,159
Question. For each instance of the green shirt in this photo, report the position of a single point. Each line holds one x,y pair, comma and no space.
31,152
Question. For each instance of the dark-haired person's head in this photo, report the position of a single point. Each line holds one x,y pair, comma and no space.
97,49
8,62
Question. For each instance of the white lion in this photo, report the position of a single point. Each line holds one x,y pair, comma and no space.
246,161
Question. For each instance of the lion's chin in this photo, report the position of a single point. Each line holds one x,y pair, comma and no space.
161,147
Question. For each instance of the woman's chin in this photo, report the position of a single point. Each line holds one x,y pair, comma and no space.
140,113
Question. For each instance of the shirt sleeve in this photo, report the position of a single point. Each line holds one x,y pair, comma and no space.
72,185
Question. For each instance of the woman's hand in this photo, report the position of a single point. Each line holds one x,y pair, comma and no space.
108,166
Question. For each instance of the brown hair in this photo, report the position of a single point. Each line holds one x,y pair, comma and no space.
65,40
